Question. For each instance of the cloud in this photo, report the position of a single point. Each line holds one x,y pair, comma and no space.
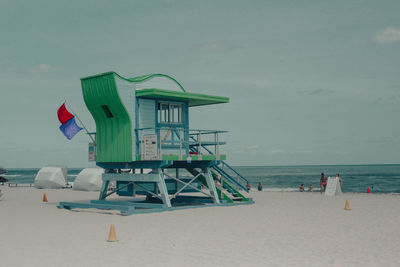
12,68
254,147
277,151
386,100
41,68
318,91
218,46
388,35
294,152
337,152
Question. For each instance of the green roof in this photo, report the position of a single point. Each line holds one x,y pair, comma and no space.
191,98
153,93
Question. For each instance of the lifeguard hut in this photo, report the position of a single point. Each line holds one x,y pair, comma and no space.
144,143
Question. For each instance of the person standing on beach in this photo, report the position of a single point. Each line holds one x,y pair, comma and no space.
301,189
259,187
311,188
248,186
322,182
340,179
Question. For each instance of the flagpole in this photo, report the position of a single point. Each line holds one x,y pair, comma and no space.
83,125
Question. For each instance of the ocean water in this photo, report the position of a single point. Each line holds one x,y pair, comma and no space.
28,175
356,178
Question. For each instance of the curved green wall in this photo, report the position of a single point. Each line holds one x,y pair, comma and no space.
113,135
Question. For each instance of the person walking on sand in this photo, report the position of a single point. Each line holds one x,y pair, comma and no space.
311,188
322,182
340,179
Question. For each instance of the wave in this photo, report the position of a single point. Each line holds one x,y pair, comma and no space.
11,175
273,189
292,189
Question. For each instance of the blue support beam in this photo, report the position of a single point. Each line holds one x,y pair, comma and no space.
135,204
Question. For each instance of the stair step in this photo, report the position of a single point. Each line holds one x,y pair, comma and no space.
234,197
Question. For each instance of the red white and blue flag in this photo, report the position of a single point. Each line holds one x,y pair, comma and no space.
68,125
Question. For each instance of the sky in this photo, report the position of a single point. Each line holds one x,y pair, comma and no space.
309,82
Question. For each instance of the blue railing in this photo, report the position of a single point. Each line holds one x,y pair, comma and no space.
179,140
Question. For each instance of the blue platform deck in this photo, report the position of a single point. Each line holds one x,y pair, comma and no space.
139,207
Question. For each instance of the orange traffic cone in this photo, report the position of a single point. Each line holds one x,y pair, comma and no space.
367,190
347,206
44,197
111,236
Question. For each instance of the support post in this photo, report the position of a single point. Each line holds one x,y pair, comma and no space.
199,149
162,187
104,187
211,185
176,181
180,145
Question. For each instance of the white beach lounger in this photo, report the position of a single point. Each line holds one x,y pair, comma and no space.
51,177
89,179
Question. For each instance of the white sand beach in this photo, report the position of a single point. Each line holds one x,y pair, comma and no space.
280,229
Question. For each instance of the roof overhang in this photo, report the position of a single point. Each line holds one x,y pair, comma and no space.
191,98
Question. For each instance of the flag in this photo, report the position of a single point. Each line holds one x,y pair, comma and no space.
68,125
70,129
63,114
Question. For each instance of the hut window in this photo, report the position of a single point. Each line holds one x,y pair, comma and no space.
169,113
163,113
175,113
107,111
